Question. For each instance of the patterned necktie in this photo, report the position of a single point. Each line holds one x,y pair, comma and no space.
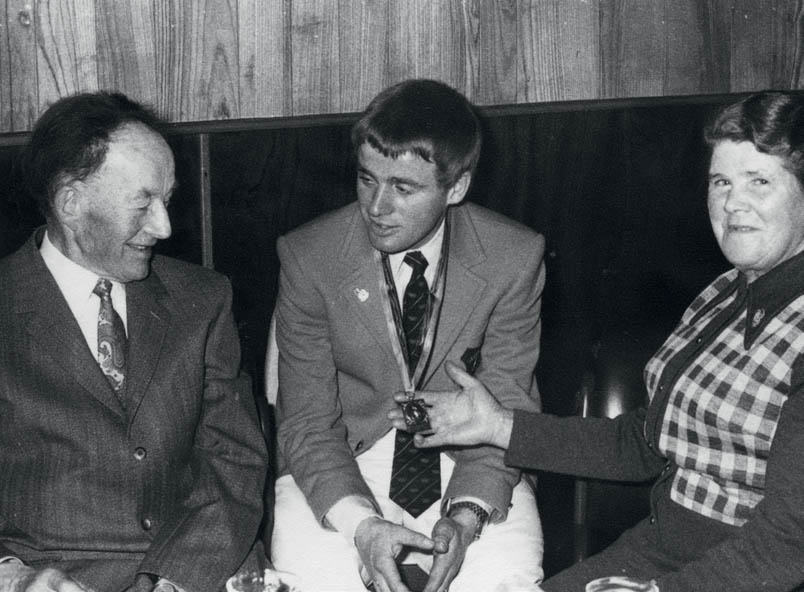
111,338
415,476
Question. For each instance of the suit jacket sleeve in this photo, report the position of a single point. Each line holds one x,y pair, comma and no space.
510,350
215,524
311,434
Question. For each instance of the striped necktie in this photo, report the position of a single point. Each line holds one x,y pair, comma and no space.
415,476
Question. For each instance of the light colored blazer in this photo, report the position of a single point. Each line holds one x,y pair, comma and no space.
337,372
175,486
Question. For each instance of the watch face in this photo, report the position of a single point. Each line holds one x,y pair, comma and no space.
415,413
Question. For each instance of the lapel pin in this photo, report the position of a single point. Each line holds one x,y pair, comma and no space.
361,294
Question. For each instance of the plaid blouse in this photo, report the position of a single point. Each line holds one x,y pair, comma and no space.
729,368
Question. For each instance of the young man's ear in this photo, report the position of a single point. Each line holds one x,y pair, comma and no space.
457,192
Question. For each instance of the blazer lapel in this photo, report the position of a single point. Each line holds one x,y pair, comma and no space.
148,323
360,288
53,328
463,286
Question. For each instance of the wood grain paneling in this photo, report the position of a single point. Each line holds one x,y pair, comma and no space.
698,47
492,51
210,68
18,82
315,57
66,58
428,40
767,38
632,45
122,64
559,50
362,51
222,59
265,74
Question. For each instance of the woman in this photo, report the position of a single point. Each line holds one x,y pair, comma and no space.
723,435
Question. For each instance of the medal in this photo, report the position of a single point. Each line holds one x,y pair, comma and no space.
413,410
415,413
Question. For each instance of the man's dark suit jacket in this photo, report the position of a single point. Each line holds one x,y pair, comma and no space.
172,486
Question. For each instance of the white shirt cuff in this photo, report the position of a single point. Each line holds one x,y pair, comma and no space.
347,514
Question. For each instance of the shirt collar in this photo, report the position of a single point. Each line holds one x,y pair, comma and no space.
76,282
431,251
771,292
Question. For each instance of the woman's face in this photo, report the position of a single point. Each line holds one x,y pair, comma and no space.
756,207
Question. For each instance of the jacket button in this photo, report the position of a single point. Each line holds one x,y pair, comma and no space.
146,524
359,446
140,453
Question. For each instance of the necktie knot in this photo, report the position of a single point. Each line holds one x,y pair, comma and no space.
417,261
103,289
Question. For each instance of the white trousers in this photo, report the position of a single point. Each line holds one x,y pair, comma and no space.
506,558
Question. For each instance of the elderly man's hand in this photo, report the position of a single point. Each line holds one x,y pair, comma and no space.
15,577
379,542
460,418
451,537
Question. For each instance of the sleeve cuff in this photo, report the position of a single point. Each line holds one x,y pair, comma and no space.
347,513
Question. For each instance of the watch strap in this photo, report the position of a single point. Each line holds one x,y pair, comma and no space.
481,514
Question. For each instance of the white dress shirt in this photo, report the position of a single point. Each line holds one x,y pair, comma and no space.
76,284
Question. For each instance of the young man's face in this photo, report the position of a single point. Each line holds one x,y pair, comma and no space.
400,199
119,212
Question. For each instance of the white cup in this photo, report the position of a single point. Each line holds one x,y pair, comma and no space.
269,580
620,584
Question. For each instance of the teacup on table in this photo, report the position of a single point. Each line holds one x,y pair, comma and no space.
268,580
620,584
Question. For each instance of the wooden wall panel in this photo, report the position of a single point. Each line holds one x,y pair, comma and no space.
18,82
698,47
767,38
362,52
428,40
210,66
632,45
559,49
315,57
66,58
126,42
264,62
493,52
224,59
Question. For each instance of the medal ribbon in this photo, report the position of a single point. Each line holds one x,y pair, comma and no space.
393,314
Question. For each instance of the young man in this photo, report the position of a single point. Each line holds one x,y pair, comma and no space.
374,298
129,446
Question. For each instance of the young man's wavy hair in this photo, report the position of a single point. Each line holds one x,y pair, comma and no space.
427,118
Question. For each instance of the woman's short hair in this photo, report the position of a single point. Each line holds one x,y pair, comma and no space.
70,140
772,121
427,118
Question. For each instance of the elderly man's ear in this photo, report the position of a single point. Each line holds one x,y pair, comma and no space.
67,205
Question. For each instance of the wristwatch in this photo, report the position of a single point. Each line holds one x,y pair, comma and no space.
481,514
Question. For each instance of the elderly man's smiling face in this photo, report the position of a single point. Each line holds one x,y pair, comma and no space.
756,206
112,219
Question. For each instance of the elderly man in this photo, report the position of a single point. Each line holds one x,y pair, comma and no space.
374,299
130,450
